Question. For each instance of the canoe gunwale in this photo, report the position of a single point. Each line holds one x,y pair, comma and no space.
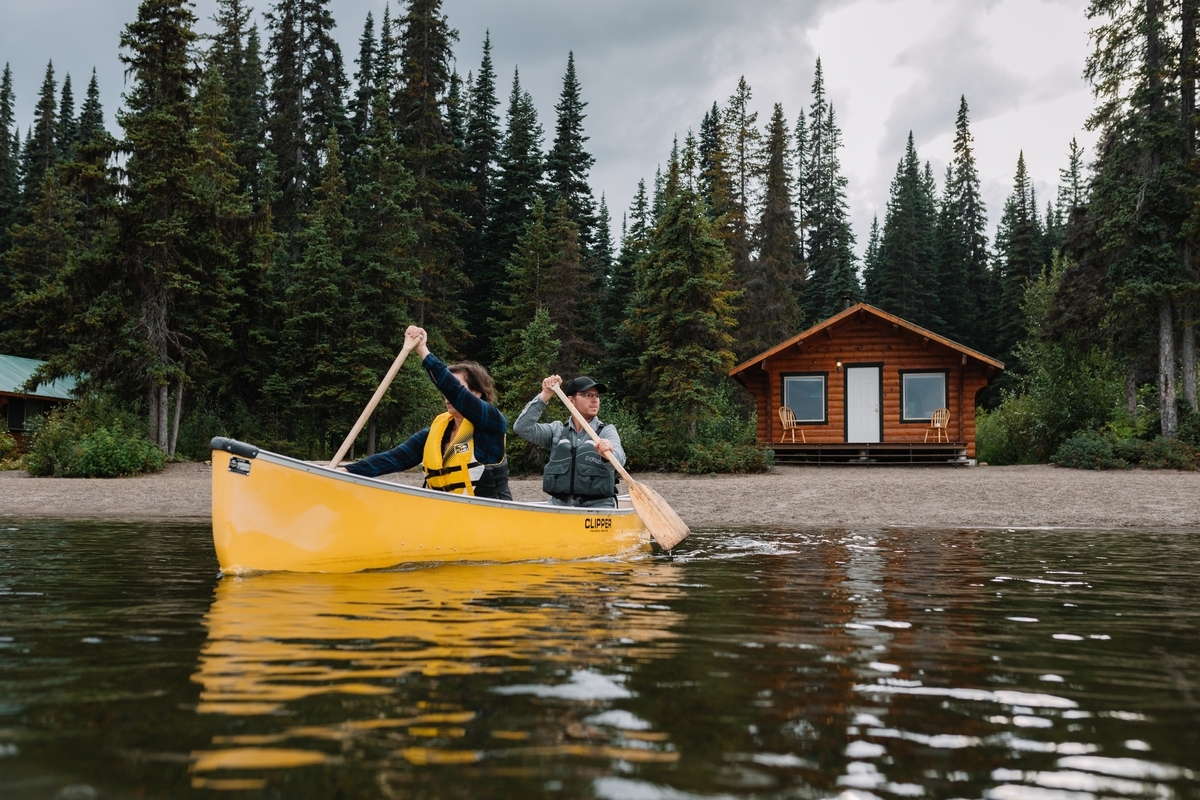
433,494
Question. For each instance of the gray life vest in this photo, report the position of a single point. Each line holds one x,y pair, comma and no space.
576,469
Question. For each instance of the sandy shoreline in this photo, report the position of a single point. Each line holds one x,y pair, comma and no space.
1029,496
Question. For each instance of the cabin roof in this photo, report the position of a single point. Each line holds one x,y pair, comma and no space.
15,371
883,315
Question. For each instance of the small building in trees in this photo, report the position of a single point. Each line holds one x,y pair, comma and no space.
863,386
17,406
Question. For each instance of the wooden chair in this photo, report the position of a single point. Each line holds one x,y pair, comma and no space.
939,421
788,418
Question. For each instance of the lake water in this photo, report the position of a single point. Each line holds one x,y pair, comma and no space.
1012,665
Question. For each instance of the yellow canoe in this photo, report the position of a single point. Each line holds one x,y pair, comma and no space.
271,512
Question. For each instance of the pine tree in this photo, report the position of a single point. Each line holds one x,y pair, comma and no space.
456,108
828,240
41,249
571,293
602,253
435,162
382,275
41,148
235,55
10,160
308,84
622,352
713,181
152,300
527,273
1019,259
871,264
480,153
682,314
68,124
519,179
309,387
568,162
241,246
1072,189
365,87
91,116
1143,76
964,278
180,178
658,198
800,183
742,142
904,278
386,54
770,311
523,362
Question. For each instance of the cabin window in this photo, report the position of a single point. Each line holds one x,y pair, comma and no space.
921,394
20,411
805,396
16,414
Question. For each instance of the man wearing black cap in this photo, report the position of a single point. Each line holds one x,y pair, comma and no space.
577,474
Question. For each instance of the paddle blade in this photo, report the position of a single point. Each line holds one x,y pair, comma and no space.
657,515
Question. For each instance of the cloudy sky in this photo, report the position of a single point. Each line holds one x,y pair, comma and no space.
650,68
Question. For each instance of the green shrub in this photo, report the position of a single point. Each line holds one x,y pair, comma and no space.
1006,435
1165,453
1189,426
727,457
90,439
105,454
1088,450
8,446
50,441
1132,451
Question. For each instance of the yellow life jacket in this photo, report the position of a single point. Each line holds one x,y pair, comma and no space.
454,469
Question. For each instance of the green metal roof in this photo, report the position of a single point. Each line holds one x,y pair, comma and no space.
15,371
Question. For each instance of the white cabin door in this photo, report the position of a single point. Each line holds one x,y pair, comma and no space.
862,404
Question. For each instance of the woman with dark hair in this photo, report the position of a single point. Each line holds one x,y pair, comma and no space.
462,450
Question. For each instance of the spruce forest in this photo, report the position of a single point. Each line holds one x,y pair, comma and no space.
243,256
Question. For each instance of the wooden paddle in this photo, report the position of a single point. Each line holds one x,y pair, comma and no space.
656,513
366,414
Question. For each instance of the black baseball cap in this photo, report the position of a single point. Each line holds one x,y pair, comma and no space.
582,384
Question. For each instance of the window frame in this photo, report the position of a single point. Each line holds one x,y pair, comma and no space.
824,376
945,373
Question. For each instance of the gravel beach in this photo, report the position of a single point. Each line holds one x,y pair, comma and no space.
1027,496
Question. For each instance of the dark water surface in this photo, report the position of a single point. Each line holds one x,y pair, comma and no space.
1019,665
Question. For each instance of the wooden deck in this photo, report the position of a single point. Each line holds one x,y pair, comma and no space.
896,454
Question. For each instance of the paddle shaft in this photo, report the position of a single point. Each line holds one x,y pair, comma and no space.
366,414
583,423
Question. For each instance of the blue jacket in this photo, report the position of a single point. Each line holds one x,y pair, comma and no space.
490,428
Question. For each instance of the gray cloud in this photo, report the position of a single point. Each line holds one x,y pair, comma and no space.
649,71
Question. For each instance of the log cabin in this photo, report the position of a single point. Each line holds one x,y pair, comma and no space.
18,406
865,384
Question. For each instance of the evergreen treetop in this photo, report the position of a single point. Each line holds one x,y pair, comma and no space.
965,291
68,123
91,116
432,156
905,277
520,173
771,312
41,147
568,162
10,161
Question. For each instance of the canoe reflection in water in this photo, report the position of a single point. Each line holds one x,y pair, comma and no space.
450,664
